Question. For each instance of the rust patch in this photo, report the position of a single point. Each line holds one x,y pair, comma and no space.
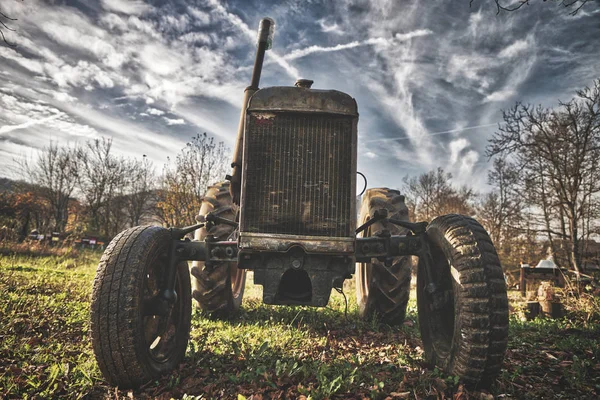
264,118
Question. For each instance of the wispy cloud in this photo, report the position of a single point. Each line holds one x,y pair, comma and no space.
467,128
430,79
500,95
155,111
129,7
251,36
28,124
330,28
515,49
172,121
398,38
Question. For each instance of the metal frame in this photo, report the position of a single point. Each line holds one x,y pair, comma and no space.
383,248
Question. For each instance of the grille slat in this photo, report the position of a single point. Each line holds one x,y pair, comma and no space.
298,175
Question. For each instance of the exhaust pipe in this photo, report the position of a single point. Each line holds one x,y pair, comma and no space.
266,30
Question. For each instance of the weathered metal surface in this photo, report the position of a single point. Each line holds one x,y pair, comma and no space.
299,174
359,249
288,271
296,99
387,247
282,243
298,278
265,37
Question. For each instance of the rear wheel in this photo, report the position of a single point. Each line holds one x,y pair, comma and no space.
218,290
464,325
133,341
382,290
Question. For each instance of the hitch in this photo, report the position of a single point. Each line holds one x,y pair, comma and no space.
418,234
377,216
212,220
419,229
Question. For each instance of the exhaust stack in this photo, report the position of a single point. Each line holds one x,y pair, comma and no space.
266,31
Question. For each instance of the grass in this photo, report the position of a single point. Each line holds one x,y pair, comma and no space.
267,352
44,350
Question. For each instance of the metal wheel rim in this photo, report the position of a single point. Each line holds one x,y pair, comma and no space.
160,332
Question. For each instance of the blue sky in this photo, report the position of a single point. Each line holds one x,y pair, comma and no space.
430,78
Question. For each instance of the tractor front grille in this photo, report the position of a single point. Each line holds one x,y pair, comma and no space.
298,174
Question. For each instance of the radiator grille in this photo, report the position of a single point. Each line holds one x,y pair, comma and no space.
298,174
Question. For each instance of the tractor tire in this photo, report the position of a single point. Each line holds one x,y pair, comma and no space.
380,290
132,343
464,327
217,290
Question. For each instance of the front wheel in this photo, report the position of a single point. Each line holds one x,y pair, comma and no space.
464,324
134,341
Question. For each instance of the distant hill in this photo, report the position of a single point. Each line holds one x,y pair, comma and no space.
11,185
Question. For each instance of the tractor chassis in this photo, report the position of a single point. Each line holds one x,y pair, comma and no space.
383,247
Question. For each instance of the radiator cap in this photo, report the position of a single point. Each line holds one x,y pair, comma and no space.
304,83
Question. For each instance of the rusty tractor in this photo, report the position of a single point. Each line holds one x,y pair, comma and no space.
288,212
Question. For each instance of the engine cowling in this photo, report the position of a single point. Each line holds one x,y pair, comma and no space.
299,171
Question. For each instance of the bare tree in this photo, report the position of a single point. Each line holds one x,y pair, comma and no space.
199,164
140,189
557,150
431,194
55,174
4,21
101,181
500,210
572,6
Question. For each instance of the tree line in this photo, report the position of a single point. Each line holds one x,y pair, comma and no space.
91,190
545,180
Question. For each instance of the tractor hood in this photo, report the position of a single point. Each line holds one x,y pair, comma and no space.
299,99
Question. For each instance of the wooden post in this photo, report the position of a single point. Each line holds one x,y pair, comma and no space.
551,309
533,310
522,283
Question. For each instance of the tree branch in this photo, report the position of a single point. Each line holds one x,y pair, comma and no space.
565,3
2,15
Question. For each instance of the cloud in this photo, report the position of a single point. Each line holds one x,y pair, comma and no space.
170,121
154,111
299,53
129,7
515,48
64,97
333,28
466,128
456,147
430,79
83,74
10,128
201,17
500,95
250,35
90,40
468,163
31,65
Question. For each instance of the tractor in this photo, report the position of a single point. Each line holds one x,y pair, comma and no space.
288,212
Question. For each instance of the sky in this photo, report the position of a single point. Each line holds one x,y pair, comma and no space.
430,77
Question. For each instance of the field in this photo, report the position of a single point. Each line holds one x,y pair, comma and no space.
269,352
